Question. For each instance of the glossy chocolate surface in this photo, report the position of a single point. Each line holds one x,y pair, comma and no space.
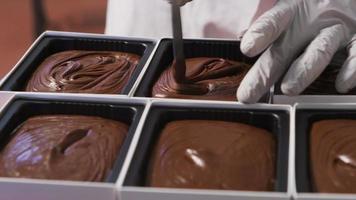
333,156
74,71
207,78
64,147
207,154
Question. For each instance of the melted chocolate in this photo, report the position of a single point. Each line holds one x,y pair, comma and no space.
80,148
205,154
206,78
84,72
333,156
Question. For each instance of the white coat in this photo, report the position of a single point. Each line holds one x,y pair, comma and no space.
200,18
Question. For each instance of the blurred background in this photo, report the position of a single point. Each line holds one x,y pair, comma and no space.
22,21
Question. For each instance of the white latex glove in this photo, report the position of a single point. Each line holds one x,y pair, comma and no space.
315,28
179,2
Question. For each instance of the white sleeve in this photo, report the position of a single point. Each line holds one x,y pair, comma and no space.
200,18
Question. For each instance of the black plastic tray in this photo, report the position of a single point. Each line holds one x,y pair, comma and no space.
21,109
163,58
51,44
275,121
304,120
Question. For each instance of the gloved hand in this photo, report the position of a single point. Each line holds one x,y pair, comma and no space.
311,29
179,2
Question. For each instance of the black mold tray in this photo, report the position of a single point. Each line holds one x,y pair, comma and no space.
304,120
21,109
163,57
275,121
50,44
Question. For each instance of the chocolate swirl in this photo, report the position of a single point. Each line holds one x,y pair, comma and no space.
80,148
206,154
333,156
84,72
207,78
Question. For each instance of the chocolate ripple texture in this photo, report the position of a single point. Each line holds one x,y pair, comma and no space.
63,147
101,72
207,78
333,156
208,154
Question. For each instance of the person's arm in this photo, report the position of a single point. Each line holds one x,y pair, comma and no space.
299,37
